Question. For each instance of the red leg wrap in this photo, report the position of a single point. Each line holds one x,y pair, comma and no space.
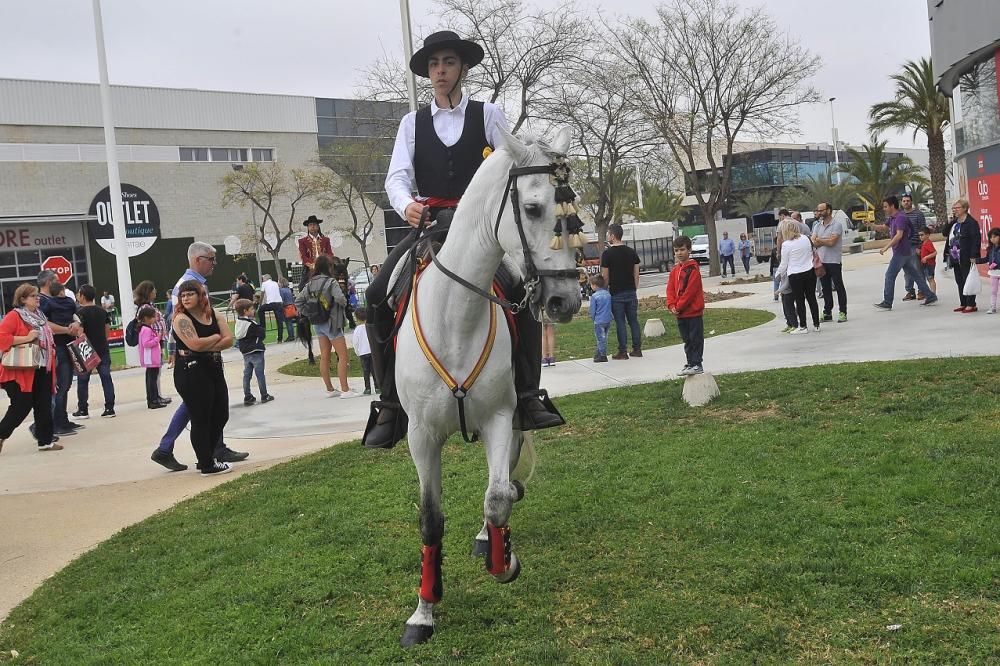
498,554
431,589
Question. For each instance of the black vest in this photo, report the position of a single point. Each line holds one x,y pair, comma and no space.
446,171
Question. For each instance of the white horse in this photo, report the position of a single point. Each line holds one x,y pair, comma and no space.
454,325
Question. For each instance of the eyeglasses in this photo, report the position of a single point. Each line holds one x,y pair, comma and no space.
188,293
211,258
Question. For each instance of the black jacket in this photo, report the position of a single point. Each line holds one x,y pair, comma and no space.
968,243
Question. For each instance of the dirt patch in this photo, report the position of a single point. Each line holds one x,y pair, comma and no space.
660,303
750,280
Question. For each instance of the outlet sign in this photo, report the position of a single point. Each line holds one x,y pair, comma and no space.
142,220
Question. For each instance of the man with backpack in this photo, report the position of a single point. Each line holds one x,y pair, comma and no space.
201,264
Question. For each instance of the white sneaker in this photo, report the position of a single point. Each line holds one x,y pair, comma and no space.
991,311
333,394
799,331
815,329
344,395
217,468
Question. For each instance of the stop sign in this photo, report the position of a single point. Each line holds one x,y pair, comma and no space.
62,268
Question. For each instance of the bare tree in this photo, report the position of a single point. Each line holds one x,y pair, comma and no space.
271,190
525,52
611,134
709,72
350,174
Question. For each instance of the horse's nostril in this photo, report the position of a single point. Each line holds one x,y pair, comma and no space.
555,304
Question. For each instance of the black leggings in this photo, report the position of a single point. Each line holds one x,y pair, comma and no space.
804,289
21,404
152,385
202,385
962,270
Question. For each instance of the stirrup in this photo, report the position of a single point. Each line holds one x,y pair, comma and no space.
398,425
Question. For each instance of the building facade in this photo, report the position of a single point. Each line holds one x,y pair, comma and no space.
174,148
965,51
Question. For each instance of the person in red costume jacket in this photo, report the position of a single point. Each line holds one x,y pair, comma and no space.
312,245
686,299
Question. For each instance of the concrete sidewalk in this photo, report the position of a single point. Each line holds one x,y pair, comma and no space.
55,506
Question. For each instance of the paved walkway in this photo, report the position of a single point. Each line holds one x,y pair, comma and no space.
55,506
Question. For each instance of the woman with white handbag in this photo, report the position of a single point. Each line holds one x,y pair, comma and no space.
27,367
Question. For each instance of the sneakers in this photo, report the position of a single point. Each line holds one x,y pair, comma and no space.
600,358
108,413
991,311
827,316
909,297
842,317
61,431
637,353
155,404
81,414
695,369
930,301
686,370
249,400
620,356
815,329
51,447
548,361
216,468
799,331
366,392
346,395
333,394
227,455
167,460
74,426
788,329
266,398
882,306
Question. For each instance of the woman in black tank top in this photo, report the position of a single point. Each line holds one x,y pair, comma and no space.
198,376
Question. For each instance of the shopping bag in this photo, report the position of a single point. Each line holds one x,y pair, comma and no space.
82,354
972,283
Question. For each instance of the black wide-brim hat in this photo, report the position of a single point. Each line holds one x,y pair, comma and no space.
471,53
310,220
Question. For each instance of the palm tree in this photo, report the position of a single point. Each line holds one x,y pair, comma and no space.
657,204
753,202
920,193
814,189
876,177
918,105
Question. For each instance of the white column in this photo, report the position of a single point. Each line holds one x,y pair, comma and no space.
114,182
833,132
411,80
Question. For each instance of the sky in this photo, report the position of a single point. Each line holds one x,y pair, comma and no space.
319,47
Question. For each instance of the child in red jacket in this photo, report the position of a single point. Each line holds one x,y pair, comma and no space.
686,299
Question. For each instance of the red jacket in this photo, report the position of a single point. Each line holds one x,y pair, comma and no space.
12,325
684,291
310,248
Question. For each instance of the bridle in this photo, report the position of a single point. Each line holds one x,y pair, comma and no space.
558,171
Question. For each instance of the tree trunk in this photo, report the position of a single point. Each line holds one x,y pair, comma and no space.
936,157
714,263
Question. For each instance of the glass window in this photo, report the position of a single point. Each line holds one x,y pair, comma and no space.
980,123
220,154
7,259
8,271
28,257
187,154
263,154
194,154
241,154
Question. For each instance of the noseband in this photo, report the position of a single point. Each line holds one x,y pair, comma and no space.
558,172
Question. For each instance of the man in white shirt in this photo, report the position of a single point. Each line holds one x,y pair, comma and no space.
437,152
271,302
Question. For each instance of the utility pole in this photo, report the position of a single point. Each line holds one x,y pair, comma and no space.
115,186
836,152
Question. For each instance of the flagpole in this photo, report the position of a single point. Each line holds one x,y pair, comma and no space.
115,186
411,80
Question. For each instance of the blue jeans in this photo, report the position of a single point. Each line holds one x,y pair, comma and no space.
178,422
727,259
83,385
64,378
625,305
915,258
904,263
254,364
601,333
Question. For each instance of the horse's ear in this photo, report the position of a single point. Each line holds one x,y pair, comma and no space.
560,146
518,151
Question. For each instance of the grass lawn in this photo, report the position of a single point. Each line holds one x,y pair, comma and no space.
793,520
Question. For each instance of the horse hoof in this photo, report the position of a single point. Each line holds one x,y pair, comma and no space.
511,574
480,547
519,487
415,634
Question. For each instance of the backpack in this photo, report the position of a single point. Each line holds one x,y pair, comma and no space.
316,308
132,333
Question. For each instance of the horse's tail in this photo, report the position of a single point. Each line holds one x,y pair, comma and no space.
525,468
305,335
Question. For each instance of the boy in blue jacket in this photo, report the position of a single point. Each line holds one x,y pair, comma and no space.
600,314
250,339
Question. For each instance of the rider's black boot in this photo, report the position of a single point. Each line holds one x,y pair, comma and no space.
534,409
387,422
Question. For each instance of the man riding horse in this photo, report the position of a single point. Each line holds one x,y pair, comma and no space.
437,151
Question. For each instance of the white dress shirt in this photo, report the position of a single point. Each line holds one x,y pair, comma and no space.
400,181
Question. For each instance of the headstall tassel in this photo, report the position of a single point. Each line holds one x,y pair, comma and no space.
566,210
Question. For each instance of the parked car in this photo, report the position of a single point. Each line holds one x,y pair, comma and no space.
700,249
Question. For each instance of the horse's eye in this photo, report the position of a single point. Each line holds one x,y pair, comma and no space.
533,209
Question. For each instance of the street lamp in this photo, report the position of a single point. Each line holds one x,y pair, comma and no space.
836,153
